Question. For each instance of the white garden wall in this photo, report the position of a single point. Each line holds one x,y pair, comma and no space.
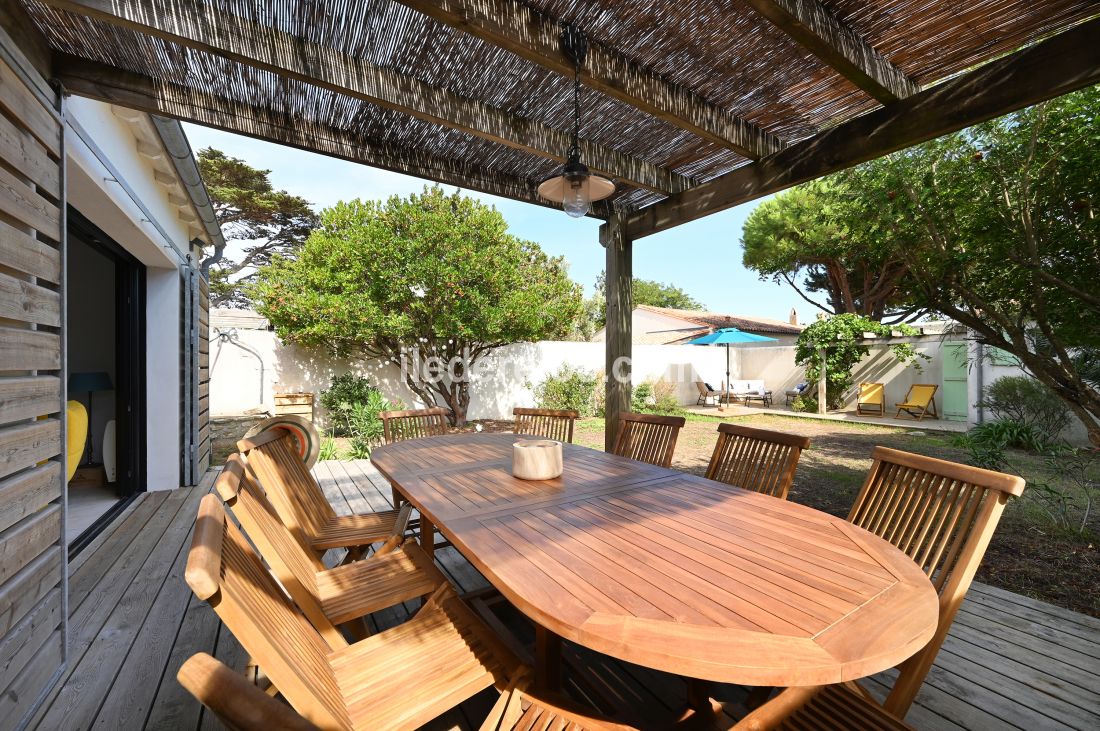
505,381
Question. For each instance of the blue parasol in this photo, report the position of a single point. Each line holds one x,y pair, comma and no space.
727,336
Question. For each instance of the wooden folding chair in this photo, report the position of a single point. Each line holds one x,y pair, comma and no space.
244,707
301,504
756,459
942,514
647,437
871,400
397,426
548,423
919,402
397,679
396,572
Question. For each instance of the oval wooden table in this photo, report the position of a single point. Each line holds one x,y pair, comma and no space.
668,570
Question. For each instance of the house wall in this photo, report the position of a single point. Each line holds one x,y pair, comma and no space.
506,380
984,370
33,556
155,236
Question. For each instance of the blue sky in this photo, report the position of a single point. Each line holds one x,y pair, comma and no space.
702,257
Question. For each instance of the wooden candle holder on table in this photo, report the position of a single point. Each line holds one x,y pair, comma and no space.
536,459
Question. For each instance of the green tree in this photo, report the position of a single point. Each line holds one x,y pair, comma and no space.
250,211
645,292
810,233
999,227
432,283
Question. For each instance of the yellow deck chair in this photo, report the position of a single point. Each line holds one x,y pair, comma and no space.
920,401
872,399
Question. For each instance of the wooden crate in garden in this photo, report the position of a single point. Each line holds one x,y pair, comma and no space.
294,403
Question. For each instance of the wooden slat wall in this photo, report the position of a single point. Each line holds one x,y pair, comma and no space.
32,470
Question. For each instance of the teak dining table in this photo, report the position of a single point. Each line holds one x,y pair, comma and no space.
669,570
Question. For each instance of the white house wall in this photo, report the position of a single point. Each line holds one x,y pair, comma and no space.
96,193
104,201
983,372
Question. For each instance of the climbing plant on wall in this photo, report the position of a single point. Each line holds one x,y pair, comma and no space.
844,340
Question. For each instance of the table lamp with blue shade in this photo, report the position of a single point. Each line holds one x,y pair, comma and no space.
89,382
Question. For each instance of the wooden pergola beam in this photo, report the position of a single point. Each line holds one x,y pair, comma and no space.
1063,63
527,33
817,30
135,91
191,24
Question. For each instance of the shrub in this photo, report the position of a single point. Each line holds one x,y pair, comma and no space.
665,400
340,398
805,404
328,450
640,397
987,443
1026,401
365,425
353,405
569,388
1066,492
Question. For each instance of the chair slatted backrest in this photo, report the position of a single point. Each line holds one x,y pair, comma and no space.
647,437
298,499
397,426
756,459
224,570
942,515
294,566
548,423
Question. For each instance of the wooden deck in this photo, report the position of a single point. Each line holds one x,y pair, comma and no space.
1010,662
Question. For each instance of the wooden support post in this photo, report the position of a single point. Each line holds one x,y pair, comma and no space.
618,336
821,383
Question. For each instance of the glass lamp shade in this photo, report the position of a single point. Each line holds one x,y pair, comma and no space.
575,188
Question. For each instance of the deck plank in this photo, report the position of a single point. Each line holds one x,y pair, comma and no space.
130,698
174,709
89,683
92,605
1009,662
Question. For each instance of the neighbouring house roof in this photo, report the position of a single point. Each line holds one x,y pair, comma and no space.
700,322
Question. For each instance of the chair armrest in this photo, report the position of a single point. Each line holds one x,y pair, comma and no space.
235,700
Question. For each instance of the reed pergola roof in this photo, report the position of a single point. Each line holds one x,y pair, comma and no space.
689,107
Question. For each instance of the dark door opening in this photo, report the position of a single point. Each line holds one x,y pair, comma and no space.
106,357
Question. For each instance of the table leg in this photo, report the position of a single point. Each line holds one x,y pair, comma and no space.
427,536
701,711
547,659
698,695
